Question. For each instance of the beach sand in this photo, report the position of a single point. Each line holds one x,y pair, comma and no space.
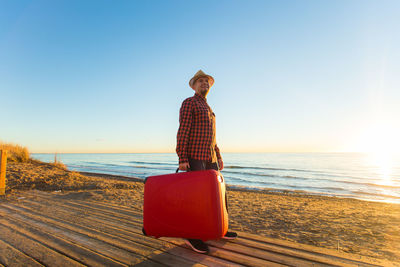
349,225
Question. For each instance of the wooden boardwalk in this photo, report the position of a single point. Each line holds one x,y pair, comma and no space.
46,229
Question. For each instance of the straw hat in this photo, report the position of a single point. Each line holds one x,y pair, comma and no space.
199,74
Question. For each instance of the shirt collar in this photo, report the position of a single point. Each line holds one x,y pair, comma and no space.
200,96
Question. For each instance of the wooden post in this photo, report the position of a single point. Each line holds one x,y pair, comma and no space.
3,164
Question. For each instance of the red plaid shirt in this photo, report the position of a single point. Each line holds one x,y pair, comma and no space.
196,134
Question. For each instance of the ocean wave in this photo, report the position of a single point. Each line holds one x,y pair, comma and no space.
284,186
153,168
249,173
103,170
318,172
130,170
351,195
152,163
375,194
106,164
375,185
273,176
266,168
298,178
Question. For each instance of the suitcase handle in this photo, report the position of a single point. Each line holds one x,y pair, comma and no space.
177,170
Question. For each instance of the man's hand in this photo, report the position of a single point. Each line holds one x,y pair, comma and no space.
184,166
220,164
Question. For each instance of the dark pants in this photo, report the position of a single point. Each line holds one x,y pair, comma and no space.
199,165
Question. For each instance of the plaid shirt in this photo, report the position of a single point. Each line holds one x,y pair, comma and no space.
196,134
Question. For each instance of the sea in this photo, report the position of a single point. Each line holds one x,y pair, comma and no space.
350,175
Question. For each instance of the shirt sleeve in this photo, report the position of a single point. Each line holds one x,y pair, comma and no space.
217,152
185,123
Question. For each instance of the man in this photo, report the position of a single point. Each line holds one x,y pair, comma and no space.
196,142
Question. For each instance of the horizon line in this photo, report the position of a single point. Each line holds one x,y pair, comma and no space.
230,152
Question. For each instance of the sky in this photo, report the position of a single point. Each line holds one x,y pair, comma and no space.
110,76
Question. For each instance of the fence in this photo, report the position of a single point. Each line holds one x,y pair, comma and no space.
3,164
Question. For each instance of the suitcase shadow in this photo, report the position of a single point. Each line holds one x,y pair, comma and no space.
177,256
182,255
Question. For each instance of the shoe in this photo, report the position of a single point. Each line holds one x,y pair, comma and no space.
230,235
197,245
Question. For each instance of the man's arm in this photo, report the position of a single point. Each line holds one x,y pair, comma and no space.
185,123
220,162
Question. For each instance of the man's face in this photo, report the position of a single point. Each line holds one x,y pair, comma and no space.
201,86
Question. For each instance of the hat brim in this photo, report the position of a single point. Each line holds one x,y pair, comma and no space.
194,79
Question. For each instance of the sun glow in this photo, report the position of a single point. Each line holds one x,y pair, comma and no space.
381,142
384,164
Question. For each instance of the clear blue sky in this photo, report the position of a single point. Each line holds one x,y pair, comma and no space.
110,76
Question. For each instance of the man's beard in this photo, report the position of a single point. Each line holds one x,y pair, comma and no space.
204,91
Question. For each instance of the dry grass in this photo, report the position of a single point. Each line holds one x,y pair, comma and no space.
60,165
15,153
48,177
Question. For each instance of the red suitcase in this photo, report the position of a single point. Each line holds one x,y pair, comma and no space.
187,205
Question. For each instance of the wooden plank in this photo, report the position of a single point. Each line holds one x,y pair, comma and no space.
130,226
62,210
88,210
125,219
34,249
114,209
81,229
89,242
262,254
62,246
3,164
261,239
309,257
329,253
205,259
116,206
77,233
149,263
133,234
87,257
79,210
92,206
107,225
317,258
171,260
242,259
215,262
10,256
106,205
236,258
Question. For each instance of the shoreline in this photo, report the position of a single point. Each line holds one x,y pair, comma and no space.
244,188
293,175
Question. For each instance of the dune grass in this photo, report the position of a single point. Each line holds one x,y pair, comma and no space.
15,153
58,163
18,153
